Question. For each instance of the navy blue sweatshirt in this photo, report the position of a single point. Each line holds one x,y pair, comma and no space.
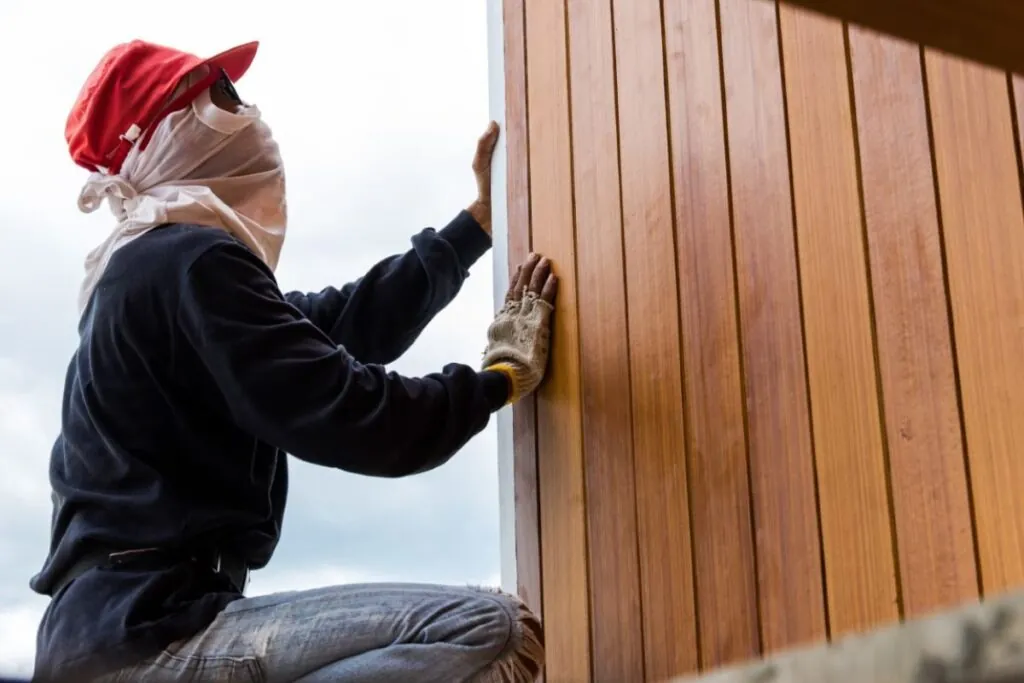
194,376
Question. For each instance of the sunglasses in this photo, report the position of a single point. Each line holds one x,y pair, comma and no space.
224,84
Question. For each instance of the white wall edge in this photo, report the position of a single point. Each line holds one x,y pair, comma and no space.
499,230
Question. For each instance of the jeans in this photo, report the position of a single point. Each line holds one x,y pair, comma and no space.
369,633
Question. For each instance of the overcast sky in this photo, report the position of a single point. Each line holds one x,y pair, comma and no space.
377,107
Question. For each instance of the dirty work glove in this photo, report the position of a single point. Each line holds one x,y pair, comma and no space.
517,340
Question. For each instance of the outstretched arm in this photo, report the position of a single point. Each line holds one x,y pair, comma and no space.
378,317
288,384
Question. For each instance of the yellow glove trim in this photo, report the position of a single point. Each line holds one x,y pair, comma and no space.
509,371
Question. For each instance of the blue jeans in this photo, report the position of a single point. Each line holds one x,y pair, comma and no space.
369,633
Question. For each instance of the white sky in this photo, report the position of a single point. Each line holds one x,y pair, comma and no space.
377,107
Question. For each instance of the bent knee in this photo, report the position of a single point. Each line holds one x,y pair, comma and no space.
519,657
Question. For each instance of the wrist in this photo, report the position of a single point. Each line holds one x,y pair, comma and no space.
480,210
509,373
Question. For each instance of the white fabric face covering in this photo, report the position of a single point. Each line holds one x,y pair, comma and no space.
204,166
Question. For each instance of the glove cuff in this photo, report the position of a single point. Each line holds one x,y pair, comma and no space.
509,371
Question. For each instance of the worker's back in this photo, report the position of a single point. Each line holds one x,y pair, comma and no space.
148,457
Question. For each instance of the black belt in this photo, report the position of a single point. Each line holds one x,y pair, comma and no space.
231,567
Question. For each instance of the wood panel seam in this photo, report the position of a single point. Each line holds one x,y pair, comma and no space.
687,427
529,235
664,523
613,553
965,446
739,322
803,321
879,389
561,473
625,298
579,335
526,411
984,234
532,409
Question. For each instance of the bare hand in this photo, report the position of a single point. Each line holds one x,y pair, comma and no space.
481,208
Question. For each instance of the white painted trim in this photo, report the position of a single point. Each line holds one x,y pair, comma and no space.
499,230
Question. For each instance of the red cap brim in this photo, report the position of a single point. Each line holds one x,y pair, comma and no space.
235,61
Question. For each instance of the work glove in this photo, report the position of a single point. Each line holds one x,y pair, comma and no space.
518,339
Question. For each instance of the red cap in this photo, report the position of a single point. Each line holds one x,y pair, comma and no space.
128,93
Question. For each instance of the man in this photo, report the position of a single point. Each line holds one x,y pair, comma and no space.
195,375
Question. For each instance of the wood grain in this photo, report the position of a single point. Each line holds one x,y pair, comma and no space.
781,453
987,31
926,456
716,445
616,629
853,493
713,389
559,430
980,200
524,413
666,570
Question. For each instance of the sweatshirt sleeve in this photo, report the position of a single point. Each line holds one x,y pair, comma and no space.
378,317
288,384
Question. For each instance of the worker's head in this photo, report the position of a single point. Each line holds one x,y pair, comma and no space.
170,141
135,87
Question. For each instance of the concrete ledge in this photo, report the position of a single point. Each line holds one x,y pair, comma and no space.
980,643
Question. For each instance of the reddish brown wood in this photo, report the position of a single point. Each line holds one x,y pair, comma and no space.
930,497
755,382
980,201
560,463
716,444
781,456
666,569
524,435
851,461
617,632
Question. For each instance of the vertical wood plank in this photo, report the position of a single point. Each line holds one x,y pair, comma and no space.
716,446
929,482
666,571
980,202
781,454
524,414
616,629
852,481
559,430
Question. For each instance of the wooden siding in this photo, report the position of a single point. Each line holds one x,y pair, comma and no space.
787,379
